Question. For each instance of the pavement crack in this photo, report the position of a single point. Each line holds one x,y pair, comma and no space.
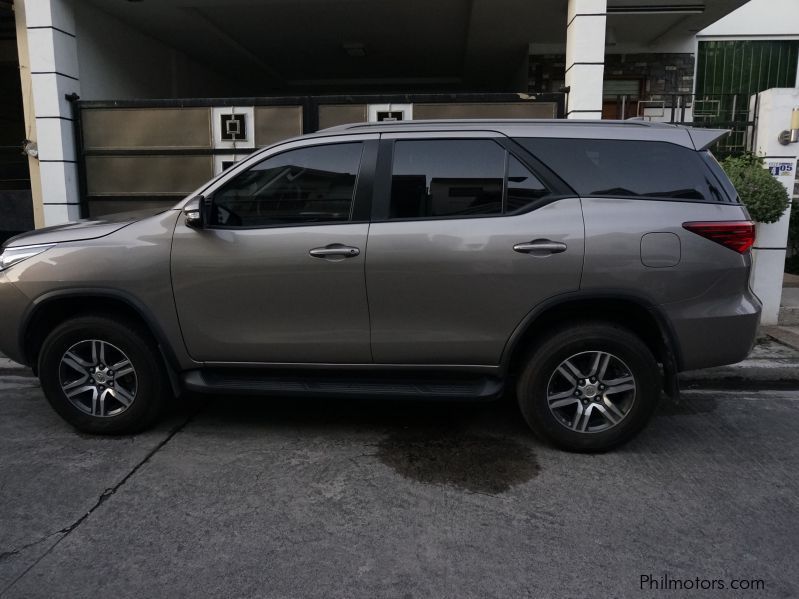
4,555
104,496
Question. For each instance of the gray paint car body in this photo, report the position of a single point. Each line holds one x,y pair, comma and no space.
255,297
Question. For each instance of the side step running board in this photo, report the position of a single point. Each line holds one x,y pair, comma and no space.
344,385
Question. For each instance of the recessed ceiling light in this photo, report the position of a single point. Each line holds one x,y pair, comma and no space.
356,49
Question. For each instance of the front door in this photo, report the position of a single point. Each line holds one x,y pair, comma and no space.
276,275
468,242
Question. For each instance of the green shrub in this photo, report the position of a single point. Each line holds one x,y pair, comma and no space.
764,196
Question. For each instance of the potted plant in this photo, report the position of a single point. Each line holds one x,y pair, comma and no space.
764,197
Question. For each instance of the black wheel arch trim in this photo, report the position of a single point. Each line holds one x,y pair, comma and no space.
170,359
672,360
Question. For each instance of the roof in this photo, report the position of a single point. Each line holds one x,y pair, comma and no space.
632,129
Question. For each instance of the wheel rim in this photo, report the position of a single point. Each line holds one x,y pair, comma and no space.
98,378
591,392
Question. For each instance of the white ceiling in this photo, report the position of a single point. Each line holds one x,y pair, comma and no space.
448,44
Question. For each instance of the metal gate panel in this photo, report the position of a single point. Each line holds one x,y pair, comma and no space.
486,110
147,175
331,115
276,123
146,128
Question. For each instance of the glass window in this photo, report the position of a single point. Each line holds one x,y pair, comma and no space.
723,179
306,185
447,177
621,168
523,187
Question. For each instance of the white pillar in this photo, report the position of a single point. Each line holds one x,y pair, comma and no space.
585,58
50,72
774,116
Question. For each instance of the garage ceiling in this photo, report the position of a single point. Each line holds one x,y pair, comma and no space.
319,45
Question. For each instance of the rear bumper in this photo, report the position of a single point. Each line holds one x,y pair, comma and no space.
13,305
714,332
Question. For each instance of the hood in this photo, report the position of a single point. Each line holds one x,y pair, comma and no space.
82,229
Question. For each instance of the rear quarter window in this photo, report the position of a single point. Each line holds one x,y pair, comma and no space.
723,179
629,168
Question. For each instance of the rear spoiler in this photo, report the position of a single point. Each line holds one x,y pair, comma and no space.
704,138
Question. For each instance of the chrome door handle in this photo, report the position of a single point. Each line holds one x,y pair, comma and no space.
541,247
335,250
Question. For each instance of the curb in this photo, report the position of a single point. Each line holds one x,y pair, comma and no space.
754,374
783,335
8,367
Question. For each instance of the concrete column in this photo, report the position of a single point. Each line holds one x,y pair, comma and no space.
585,58
774,116
49,70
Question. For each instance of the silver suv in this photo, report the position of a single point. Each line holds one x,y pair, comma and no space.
580,264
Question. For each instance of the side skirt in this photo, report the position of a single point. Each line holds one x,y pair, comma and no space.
447,386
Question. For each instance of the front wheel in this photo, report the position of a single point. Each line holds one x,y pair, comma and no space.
103,376
589,387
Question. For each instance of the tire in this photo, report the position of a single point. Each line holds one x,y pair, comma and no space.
95,401
585,422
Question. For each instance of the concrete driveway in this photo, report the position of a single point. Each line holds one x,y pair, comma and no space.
246,498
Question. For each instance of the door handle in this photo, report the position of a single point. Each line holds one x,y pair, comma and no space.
335,250
540,247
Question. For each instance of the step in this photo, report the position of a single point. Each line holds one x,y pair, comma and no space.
360,384
788,316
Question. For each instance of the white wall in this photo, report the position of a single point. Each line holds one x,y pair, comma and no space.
119,62
772,19
769,251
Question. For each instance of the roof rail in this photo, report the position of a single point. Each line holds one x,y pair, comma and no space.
445,122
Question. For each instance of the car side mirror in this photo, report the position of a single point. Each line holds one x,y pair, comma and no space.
194,212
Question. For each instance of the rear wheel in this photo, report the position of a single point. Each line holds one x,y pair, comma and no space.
102,376
589,387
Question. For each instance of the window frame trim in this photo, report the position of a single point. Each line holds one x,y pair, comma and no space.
362,190
381,207
702,160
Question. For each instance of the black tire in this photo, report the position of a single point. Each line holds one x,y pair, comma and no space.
151,384
570,341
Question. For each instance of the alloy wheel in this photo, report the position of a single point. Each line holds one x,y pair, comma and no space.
591,392
98,378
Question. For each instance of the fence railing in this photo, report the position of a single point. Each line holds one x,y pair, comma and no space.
737,112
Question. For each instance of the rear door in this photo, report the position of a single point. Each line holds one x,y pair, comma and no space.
466,239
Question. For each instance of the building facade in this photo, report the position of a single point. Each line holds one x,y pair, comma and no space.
117,95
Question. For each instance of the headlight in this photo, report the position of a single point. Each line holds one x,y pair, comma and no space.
11,256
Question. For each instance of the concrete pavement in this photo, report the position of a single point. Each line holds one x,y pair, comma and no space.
248,498
773,362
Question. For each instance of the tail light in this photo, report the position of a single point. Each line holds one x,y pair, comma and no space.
738,235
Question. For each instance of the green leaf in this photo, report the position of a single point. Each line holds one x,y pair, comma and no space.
764,197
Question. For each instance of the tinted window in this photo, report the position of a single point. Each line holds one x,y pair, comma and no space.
439,178
523,186
620,168
307,185
724,180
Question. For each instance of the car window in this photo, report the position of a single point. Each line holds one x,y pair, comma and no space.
447,178
524,188
627,168
306,185
718,172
